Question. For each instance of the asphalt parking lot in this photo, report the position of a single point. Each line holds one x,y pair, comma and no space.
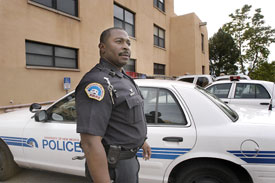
34,176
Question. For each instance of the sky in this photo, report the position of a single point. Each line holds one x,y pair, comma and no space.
216,13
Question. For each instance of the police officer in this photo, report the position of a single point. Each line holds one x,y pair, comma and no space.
110,117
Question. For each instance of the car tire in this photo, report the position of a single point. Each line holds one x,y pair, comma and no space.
206,172
8,167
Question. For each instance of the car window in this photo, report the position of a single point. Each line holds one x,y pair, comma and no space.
161,107
220,90
64,110
247,90
202,81
189,80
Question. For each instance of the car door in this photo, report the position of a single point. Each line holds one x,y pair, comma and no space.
51,145
251,94
170,133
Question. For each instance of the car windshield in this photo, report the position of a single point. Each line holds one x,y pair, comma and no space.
225,108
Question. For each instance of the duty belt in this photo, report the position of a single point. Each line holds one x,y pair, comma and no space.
123,152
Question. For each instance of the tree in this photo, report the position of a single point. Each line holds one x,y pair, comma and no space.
223,54
251,36
264,71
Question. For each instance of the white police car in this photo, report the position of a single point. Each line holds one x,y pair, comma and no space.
244,92
193,135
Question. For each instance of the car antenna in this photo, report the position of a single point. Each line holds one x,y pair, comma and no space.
272,94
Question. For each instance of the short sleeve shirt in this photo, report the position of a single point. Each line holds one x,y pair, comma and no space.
116,115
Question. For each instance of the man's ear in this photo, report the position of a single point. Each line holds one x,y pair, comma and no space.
101,47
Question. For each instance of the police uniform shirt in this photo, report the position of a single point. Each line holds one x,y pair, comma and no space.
118,116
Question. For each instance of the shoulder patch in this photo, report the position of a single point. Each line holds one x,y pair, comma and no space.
95,91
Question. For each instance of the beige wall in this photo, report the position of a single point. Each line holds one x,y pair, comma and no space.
22,20
186,55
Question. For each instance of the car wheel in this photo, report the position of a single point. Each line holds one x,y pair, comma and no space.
206,173
8,167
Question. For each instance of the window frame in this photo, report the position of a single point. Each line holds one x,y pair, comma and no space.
255,95
157,4
54,7
124,19
157,64
125,67
61,102
184,113
53,56
220,84
158,36
202,43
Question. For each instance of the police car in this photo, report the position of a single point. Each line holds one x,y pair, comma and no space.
244,92
194,137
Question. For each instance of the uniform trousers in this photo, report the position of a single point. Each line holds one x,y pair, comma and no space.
126,171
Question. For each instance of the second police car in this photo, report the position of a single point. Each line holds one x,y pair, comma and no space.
193,135
244,92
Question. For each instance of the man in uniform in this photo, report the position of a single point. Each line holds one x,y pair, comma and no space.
110,116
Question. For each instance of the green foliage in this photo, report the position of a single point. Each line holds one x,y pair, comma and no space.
251,36
264,71
223,54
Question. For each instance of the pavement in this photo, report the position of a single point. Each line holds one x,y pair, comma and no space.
37,176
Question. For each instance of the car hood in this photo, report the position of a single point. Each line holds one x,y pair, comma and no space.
250,114
18,115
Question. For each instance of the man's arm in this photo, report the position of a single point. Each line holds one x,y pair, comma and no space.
96,158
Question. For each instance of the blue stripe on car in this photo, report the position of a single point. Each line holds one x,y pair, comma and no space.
261,157
16,141
165,153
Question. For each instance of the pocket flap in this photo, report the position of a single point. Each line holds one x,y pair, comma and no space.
133,101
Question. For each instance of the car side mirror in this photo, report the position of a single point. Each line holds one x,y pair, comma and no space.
41,116
35,107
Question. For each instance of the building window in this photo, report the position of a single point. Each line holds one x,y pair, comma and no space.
203,69
159,37
131,66
202,43
124,19
159,69
160,4
67,6
46,55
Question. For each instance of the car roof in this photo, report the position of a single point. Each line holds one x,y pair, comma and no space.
188,76
163,83
228,76
243,81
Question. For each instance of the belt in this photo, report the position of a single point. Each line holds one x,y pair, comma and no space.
127,154
124,153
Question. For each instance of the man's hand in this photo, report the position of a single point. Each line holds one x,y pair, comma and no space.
146,151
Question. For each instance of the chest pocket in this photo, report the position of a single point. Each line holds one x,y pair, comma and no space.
135,106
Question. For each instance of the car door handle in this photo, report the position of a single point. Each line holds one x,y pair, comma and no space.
226,102
173,139
264,103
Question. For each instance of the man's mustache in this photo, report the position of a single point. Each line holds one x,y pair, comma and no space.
125,53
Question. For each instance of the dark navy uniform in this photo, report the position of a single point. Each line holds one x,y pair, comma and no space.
110,105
